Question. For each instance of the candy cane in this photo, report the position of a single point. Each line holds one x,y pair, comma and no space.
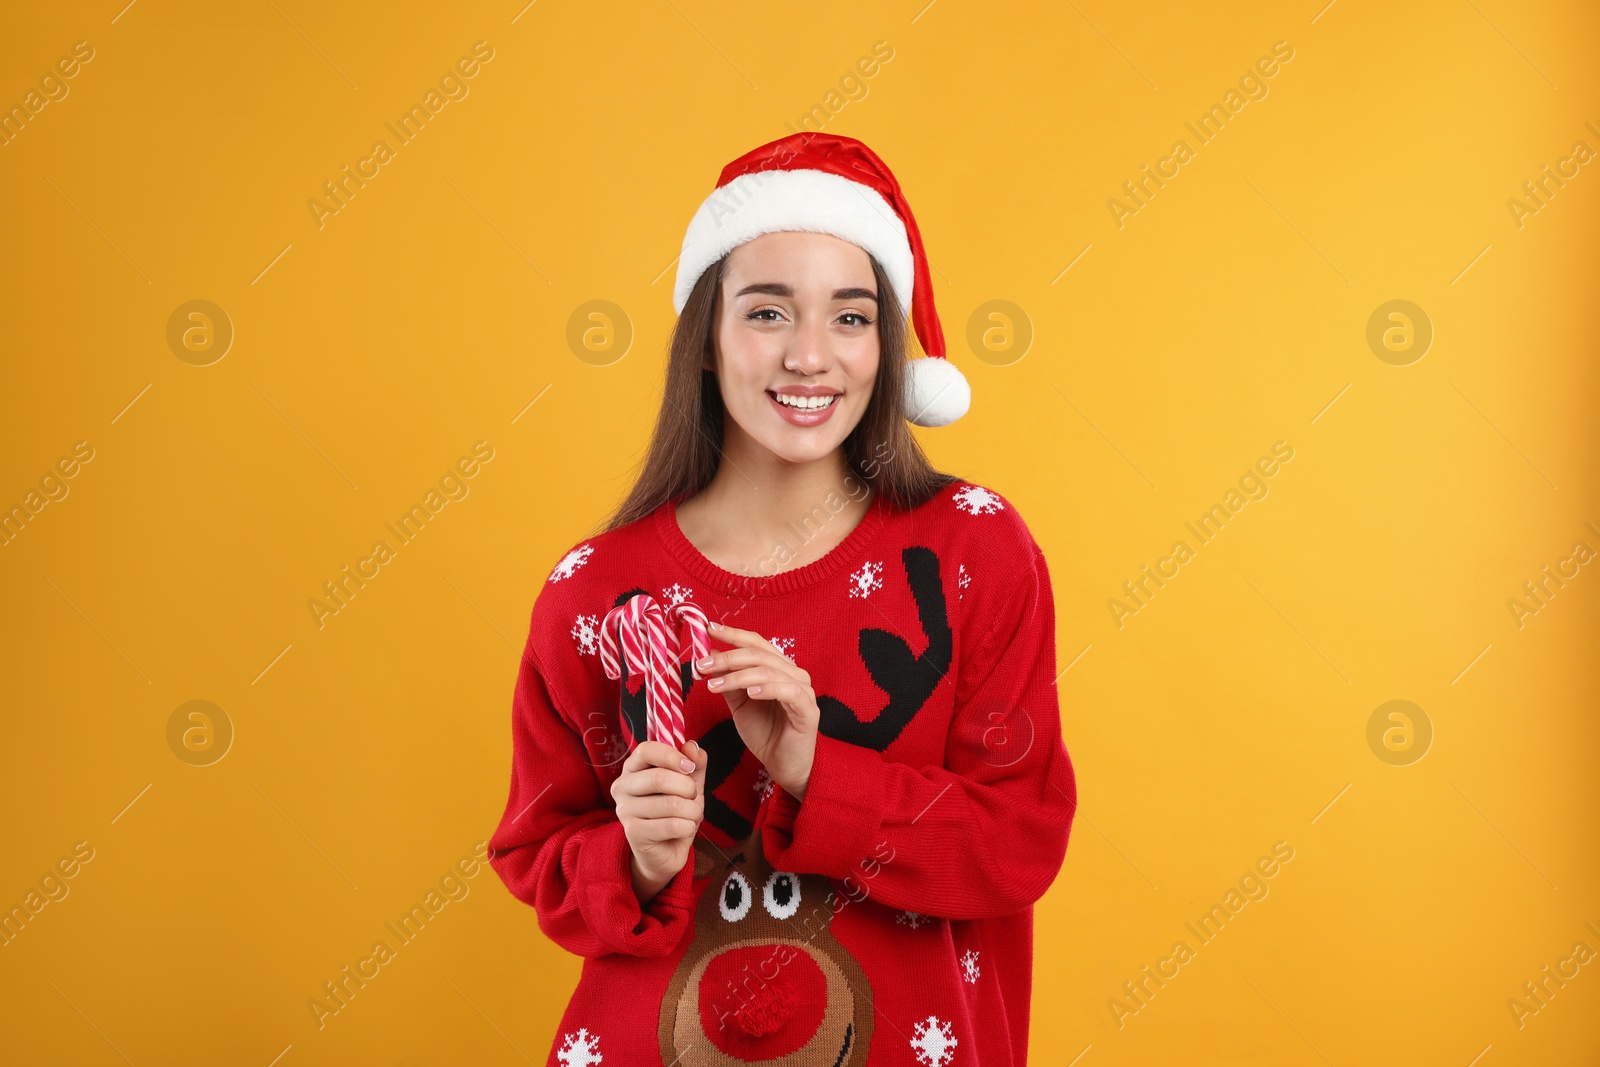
651,646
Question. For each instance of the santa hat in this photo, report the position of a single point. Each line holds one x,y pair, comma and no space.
825,183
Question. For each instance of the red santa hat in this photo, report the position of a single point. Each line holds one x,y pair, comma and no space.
825,183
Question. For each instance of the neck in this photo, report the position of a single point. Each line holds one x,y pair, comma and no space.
766,492
757,499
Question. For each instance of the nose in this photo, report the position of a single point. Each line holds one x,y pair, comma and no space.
768,1008
755,1008
810,349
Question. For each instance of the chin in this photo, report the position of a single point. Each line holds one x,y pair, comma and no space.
796,445
800,456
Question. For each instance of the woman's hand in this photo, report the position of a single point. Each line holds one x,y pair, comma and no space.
660,806
774,708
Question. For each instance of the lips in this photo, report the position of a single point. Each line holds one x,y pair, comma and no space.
808,415
805,401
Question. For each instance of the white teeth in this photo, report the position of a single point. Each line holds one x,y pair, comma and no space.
806,403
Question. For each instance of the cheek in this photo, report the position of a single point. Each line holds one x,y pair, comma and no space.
743,366
864,367
749,355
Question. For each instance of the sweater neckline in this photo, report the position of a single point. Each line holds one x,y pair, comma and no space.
772,585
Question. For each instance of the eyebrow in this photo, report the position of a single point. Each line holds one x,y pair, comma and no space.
780,289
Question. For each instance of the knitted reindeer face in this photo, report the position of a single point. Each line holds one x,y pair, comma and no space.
765,979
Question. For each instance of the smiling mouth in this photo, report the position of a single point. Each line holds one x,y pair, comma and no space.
805,403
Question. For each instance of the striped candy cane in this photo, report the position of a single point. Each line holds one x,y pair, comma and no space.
655,650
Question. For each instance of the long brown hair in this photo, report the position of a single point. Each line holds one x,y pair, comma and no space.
686,446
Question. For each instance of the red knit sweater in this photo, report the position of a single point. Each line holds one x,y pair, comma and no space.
887,919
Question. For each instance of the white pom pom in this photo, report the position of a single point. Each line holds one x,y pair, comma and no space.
937,393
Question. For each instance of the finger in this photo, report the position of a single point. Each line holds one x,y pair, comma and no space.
648,781
661,806
766,677
650,811
702,760
737,701
798,702
658,831
644,754
655,754
734,658
782,690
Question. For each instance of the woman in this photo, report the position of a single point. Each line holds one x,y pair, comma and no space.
839,864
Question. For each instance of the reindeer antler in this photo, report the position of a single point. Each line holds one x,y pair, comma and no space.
908,680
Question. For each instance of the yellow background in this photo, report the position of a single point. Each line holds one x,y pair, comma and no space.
370,353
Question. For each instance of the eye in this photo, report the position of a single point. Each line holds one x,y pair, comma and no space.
763,311
736,897
856,315
781,894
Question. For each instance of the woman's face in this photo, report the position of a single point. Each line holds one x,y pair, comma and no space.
797,317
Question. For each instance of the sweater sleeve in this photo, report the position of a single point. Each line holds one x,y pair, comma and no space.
561,848
982,836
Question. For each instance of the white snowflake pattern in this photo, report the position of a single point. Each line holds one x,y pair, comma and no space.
571,562
764,783
581,1049
676,594
911,918
615,752
934,1043
785,645
969,966
586,631
976,500
865,581
962,581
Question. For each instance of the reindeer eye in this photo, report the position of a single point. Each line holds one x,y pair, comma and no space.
736,897
782,894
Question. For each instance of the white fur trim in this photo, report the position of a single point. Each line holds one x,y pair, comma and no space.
937,393
810,200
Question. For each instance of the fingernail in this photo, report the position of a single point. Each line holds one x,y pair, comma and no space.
716,625
715,683
686,764
706,662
